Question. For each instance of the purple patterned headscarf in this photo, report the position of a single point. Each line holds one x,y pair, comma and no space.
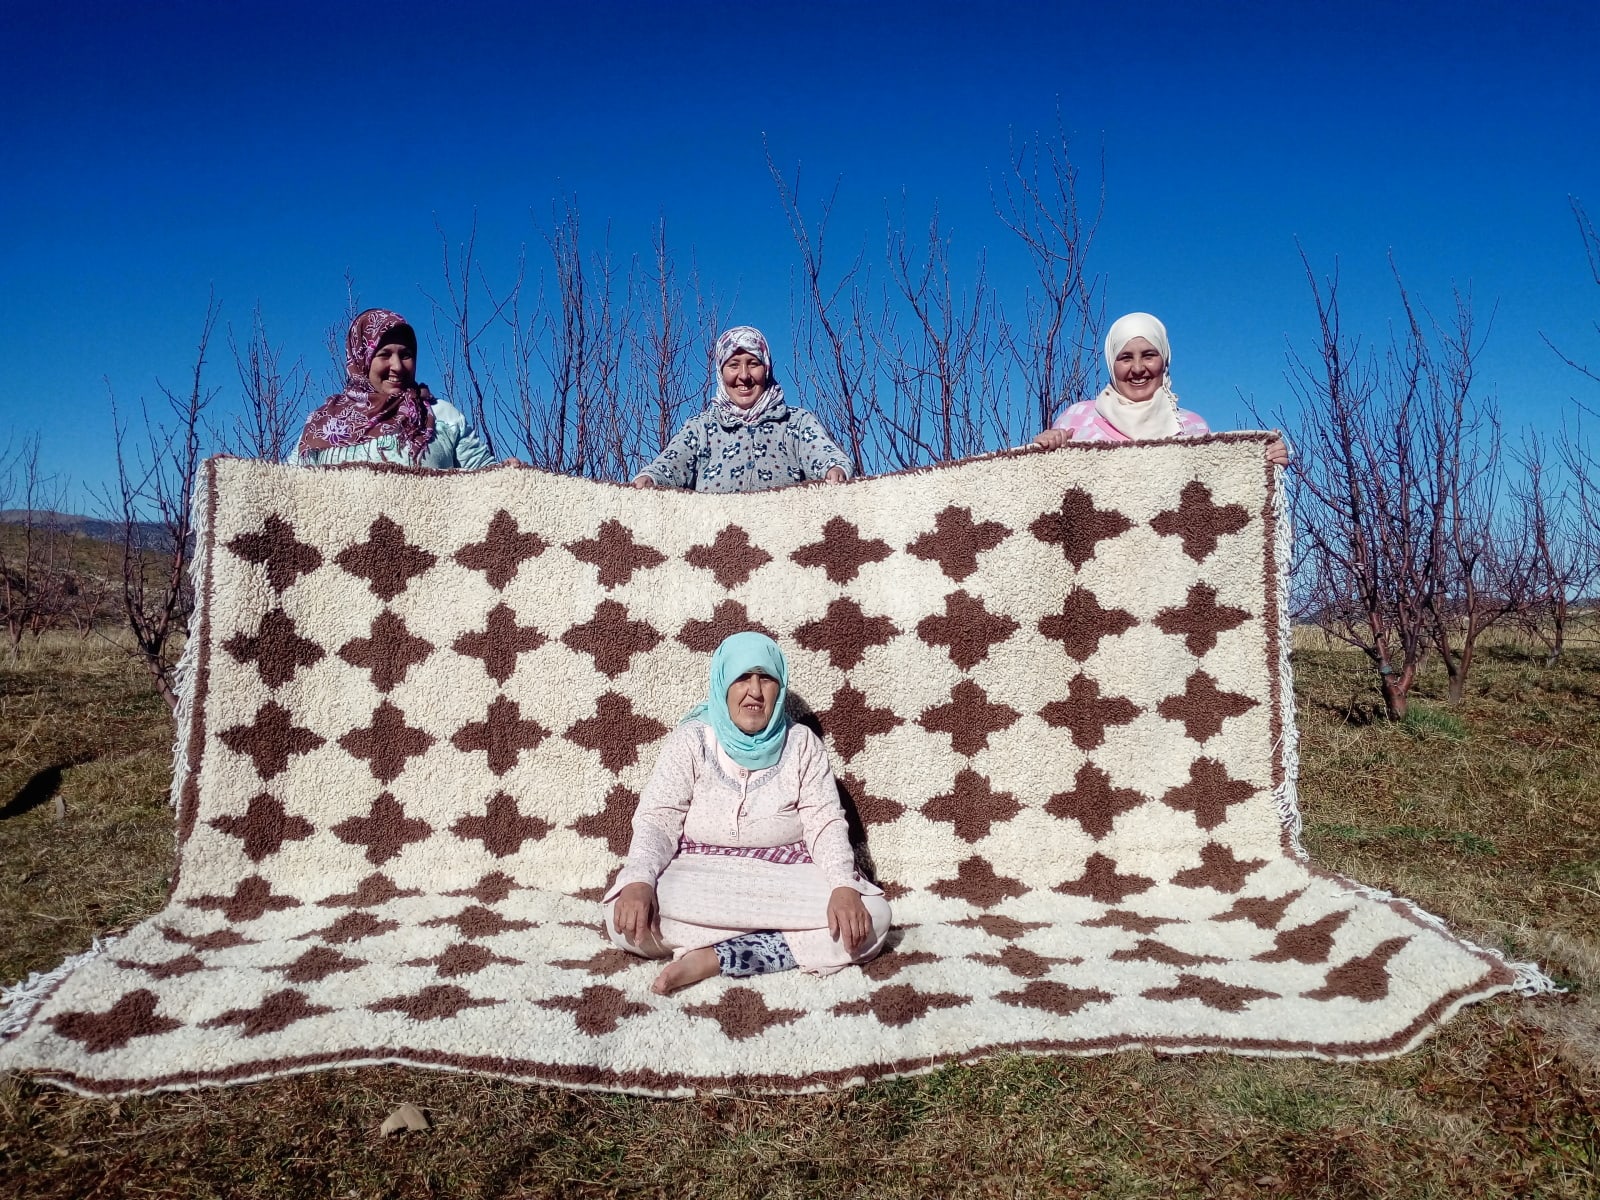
729,343
358,414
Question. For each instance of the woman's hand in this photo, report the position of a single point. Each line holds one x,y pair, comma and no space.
1278,452
634,914
1051,438
848,921
835,475
643,481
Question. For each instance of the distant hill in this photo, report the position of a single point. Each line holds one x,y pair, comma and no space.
149,535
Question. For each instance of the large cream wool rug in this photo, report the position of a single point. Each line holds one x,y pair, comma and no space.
1055,689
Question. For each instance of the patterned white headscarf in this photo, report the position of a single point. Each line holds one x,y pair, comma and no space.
729,343
1140,420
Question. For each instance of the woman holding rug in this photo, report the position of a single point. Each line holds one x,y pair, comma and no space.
1139,403
741,861
384,415
747,439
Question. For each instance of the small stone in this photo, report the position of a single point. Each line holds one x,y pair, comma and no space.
407,1116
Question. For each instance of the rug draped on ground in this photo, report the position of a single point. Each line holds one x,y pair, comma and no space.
421,708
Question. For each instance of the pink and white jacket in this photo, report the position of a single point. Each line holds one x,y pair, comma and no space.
1086,425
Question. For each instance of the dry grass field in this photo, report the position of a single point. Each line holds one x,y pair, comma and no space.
1488,815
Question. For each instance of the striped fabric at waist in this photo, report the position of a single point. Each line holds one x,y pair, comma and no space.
794,852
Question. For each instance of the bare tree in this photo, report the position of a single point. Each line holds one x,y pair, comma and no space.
152,509
829,324
334,336
458,332
271,396
1560,565
1057,350
33,574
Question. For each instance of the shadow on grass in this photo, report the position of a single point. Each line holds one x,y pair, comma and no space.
39,789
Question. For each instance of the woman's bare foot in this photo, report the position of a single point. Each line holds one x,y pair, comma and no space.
691,968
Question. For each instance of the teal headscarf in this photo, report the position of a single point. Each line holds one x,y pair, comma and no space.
740,653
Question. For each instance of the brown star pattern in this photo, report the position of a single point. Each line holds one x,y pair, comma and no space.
616,554
1082,623
873,810
503,550
1202,707
172,968
132,1016
387,743
729,557
436,1002
1119,918
1093,803
1209,793
277,649
388,653
462,958
1200,619
491,889
273,1015
476,921
252,898
1219,869
502,828
316,964
742,1013
1213,993
384,832
845,633
1006,928
499,642
1364,978
972,806
966,629
1078,526
728,618
1049,996
1086,714
1199,520
1150,950
377,888
955,541
352,927
850,721
205,943
900,1004
264,826
598,1009
1101,881
276,548
385,560
614,822
502,735
891,962
615,732
1021,961
969,718
271,739
604,963
611,638
1309,943
1260,911
842,552
977,883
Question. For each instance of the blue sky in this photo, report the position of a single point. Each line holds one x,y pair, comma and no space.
153,153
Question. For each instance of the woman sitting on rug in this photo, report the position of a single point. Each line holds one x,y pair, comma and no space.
747,439
384,414
741,862
1139,403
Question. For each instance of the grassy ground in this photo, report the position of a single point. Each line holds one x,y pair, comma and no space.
1488,814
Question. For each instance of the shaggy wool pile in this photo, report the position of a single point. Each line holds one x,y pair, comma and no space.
1055,690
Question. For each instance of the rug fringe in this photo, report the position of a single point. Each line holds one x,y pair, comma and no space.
19,1001
183,673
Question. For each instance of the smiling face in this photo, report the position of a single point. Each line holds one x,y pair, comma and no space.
744,378
751,699
1138,370
393,369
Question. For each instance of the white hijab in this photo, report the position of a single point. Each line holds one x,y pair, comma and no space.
1139,420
